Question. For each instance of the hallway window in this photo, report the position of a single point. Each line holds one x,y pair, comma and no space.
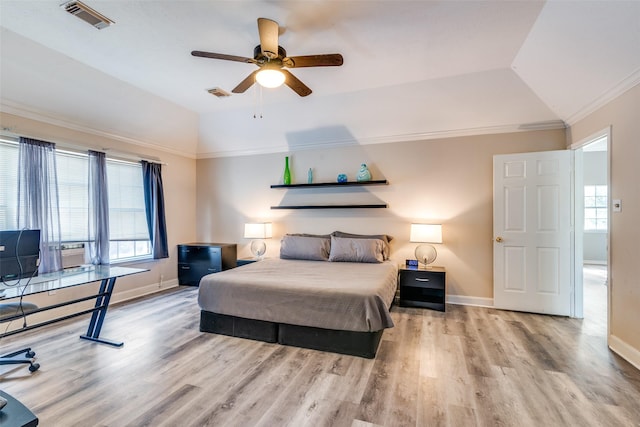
595,207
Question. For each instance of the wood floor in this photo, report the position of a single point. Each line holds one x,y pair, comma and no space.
469,366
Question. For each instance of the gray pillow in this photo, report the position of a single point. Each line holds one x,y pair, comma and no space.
384,237
304,247
356,250
324,236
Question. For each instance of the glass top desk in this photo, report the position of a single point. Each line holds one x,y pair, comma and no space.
67,278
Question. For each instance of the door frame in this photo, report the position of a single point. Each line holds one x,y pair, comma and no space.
578,249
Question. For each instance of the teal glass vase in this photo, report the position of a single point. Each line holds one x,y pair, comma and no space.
363,173
286,179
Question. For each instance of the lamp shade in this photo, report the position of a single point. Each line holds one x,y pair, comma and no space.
257,230
270,78
426,233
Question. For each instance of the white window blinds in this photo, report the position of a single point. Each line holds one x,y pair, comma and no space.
8,184
73,195
127,217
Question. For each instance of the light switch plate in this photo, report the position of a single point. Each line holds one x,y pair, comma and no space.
617,205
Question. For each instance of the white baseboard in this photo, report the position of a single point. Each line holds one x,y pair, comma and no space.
475,301
145,290
624,350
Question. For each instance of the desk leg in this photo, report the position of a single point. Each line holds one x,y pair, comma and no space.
97,317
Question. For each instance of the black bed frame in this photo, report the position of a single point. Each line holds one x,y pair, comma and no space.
363,344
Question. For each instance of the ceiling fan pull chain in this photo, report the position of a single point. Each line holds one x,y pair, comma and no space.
255,102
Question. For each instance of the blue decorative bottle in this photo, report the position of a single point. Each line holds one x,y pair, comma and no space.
363,174
286,179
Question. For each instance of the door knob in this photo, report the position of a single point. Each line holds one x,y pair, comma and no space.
499,239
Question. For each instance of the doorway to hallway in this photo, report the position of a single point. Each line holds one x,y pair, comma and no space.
592,213
595,299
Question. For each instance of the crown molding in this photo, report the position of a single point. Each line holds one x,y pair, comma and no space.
627,83
422,136
31,113
20,110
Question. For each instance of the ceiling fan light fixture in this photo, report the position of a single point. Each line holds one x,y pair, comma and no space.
270,78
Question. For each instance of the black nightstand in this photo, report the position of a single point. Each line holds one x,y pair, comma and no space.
245,261
421,287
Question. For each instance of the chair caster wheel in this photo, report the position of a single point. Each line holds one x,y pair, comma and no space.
34,367
30,353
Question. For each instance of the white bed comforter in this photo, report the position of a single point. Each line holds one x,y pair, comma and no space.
331,295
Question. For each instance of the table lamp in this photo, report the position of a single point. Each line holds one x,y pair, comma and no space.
258,231
426,233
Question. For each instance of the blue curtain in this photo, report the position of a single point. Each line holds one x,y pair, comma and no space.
154,206
38,206
97,251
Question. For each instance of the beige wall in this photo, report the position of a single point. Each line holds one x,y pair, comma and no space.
179,179
447,181
622,114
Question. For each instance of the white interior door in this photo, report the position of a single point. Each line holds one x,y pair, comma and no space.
532,232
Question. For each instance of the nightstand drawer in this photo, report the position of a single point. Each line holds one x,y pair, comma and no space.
422,279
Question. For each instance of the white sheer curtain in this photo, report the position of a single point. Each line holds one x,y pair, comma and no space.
38,206
98,245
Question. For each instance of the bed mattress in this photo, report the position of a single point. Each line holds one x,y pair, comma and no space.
330,295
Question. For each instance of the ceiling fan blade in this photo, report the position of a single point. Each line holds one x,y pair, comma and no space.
222,56
294,83
268,30
246,83
328,60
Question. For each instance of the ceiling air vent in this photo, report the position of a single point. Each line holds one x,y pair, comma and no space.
87,14
220,93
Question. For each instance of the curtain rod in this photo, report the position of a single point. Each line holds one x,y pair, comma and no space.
122,155
125,155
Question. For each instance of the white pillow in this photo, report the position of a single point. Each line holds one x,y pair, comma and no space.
356,250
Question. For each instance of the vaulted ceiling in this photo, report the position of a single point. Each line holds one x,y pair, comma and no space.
412,69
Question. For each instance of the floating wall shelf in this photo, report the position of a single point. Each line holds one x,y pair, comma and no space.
335,185
374,206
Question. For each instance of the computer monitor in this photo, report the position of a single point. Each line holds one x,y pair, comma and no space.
19,253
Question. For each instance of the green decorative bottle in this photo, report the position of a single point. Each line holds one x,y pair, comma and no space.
287,173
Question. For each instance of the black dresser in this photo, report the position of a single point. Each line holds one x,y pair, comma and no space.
199,259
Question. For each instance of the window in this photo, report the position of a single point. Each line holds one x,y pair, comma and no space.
8,185
73,197
595,207
129,235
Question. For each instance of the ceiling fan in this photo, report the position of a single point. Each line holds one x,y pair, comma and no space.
272,60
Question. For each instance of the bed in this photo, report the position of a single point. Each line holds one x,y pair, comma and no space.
326,293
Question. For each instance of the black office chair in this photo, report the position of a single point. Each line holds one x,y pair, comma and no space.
8,311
